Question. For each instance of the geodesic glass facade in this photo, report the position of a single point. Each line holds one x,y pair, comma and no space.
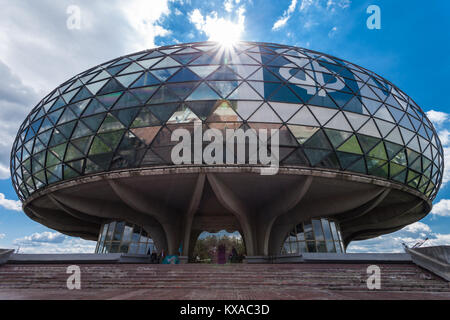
330,113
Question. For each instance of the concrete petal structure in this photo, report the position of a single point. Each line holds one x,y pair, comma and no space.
358,158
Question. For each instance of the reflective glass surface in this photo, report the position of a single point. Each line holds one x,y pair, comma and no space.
123,237
317,235
331,114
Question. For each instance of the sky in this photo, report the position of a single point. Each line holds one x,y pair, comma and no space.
45,42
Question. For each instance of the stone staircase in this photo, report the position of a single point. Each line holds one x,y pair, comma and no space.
264,281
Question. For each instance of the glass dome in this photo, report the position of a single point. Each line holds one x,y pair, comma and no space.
331,114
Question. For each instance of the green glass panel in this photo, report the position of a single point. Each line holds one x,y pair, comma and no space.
367,142
337,137
373,163
56,171
315,156
358,166
94,122
351,146
412,155
110,124
382,171
400,158
81,131
66,129
69,173
396,169
318,140
73,153
98,146
378,152
101,161
77,165
112,139
392,149
59,150
83,144
346,159
417,165
145,119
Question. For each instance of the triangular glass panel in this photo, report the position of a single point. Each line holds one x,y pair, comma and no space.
284,94
355,105
73,153
224,74
339,122
128,79
67,116
224,113
146,79
367,143
346,159
147,64
127,100
164,74
370,129
407,135
147,134
110,124
115,70
167,62
243,70
145,119
109,99
94,122
184,75
305,117
244,92
112,139
183,115
182,90
315,156
265,114
101,76
224,88
392,149
132,68
378,152
285,110
186,58
337,137
112,86
384,127
356,120
126,116
351,146
94,108
394,136
204,71
318,140
323,114
143,94
96,86
98,147
302,133
163,95
163,112
203,92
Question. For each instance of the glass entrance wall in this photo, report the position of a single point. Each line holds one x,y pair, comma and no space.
124,237
316,235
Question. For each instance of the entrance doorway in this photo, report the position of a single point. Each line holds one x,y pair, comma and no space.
218,248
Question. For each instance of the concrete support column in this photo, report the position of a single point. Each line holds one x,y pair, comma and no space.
236,206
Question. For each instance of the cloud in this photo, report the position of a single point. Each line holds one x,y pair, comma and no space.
305,4
281,22
442,208
437,117
2,235
53,242
10,204
219,29
332,32
410,235
38,52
